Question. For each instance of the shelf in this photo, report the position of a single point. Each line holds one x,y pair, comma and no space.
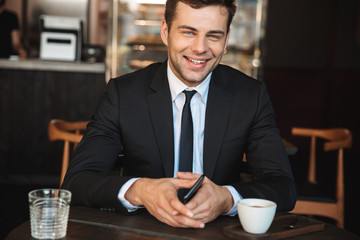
135,41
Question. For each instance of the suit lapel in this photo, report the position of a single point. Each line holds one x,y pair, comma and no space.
160,108
217,114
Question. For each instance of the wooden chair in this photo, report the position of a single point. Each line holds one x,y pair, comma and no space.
69,132
334,139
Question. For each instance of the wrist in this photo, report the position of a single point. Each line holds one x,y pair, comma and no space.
132,194
228,201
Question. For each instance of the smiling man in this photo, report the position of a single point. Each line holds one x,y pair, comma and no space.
142,115
196,41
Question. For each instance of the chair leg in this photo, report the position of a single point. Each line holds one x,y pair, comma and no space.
65,161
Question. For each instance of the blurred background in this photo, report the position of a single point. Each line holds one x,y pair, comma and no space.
307,52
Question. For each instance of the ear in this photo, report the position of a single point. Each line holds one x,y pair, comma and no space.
227,39
164,32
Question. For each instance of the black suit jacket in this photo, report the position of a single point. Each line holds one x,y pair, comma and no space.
135,116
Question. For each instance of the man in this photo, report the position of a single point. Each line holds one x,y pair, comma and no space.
10,42
140,114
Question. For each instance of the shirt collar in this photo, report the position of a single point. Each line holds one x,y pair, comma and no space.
177,86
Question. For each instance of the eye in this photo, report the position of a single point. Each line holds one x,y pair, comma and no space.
215,36
188,33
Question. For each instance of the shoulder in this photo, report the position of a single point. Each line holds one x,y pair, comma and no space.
9,14
10,17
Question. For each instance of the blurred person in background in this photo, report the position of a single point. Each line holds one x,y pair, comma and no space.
10,43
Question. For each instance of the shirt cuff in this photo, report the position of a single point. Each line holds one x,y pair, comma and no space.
121,196
236,197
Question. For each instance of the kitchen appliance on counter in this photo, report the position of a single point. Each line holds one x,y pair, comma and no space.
34,9
61,38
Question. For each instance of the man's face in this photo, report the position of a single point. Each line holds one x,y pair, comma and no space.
196,41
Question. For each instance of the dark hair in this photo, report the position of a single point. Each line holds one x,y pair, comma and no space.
2,3
171,5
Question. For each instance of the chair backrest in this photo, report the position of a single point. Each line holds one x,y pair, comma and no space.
334,139
69,132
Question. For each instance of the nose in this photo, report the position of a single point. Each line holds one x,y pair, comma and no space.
200,45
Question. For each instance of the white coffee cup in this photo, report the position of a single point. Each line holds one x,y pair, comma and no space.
256,215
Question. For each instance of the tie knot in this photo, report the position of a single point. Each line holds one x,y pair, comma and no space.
188,95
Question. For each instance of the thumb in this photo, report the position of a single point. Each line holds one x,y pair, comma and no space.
187,175
184,183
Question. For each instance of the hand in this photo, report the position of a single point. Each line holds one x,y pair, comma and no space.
22,54
210,201
159,196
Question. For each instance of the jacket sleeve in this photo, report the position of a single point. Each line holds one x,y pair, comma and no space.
267,160
88,174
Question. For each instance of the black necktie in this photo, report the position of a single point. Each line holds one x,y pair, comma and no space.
186,135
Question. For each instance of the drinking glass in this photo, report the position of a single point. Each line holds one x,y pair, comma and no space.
49,212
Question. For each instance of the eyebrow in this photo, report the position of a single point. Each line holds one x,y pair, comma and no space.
195,30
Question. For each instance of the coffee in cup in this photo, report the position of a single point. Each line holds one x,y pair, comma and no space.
256,215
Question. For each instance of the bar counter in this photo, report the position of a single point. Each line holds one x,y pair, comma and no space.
32,92
61,66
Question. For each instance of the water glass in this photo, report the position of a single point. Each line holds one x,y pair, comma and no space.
49,212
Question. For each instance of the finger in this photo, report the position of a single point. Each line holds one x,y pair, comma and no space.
198,207
200,204
202,212
186,222
164,213
165,218
187,175
192,204
178,221
180,209
184,183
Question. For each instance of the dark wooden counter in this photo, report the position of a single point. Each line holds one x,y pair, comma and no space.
86,223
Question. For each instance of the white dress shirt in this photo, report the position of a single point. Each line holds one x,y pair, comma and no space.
198,108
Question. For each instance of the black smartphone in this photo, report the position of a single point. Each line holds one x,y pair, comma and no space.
193,190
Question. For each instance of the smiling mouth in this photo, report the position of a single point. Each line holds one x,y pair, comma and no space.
196,61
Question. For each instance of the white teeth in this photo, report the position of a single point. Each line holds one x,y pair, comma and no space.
197,61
